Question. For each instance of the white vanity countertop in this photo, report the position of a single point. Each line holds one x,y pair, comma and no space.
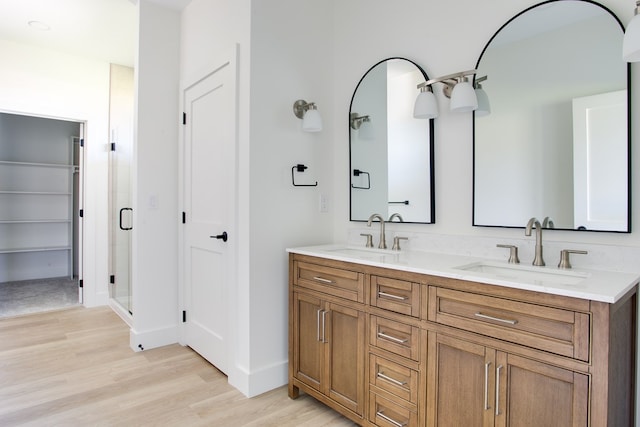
597,285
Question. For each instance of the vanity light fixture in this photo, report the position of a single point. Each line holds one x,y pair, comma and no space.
308,112
631,41
456,87
363,124
484,108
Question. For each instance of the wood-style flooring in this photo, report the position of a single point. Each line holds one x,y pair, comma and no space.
75,368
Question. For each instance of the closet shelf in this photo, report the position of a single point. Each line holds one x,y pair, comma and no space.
37,193
40,249
35,221
44,165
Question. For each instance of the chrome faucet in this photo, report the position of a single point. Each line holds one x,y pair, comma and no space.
383,240
395,215
537,260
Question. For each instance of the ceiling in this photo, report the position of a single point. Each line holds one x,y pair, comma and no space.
99,29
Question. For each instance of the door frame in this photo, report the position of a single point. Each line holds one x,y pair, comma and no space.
226,58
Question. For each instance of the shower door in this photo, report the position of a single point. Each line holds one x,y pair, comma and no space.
120,186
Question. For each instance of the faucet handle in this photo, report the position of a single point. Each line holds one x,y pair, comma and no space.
369,240
564,257
513,253
396,242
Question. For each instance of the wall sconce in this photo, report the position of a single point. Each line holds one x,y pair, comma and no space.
308,112
456,87
631,41
484,108
363,123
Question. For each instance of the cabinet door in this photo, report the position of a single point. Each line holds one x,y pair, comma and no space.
307,339
461,383
344,356
534,394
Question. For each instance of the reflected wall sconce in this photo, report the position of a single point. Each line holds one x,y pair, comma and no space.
363,123
308,112
631,41
456,87
484,108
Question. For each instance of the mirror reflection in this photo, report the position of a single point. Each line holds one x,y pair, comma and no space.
555,145
391,153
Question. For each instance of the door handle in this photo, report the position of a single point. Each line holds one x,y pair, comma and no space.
121,211
224,237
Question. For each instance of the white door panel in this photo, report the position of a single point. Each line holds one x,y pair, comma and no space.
209,201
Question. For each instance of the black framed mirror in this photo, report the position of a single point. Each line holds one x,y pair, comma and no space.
556,143
390,152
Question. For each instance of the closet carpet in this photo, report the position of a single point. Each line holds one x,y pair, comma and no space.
33,296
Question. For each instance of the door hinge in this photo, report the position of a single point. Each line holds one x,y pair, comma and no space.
112,279
113,146
81,142
80,283
184,217
184,118
81,213
184,316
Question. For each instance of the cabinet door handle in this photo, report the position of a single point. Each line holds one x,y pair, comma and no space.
498,369
389,419
398,297
394,339
497,319
324,320
393,380
486,385
321,279
318,324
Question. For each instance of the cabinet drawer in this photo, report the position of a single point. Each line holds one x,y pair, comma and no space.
395,337
397,379
563,332
385,413
334,281
395,295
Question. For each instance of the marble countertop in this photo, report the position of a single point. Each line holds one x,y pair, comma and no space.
597,285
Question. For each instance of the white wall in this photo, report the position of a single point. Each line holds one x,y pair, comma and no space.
155,192
51,84
432,37
275,69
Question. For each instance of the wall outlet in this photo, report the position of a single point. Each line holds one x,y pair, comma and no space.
324,205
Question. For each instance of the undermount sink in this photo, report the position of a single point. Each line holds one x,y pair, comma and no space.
520,273
365,253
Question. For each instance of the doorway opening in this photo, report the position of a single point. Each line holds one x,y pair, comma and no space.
41,173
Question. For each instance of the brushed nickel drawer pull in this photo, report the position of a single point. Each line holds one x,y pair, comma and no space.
384,294
497,319
321,279
389,337
486,385
498,389
391,420
393,380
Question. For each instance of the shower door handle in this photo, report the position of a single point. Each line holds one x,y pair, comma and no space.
121,211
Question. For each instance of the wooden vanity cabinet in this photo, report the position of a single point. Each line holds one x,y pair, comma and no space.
327,337
390,348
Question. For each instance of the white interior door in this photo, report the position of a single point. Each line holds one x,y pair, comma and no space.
600,161
209,205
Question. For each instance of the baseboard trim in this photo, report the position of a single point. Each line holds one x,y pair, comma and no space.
260,381
145,340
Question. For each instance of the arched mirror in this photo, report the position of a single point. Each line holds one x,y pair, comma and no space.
391,153
555,144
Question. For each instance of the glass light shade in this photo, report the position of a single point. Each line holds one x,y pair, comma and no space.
426,106
366,130
463,98
484,108
312,122
631,41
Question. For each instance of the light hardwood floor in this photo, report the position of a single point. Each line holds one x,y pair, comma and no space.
75,368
